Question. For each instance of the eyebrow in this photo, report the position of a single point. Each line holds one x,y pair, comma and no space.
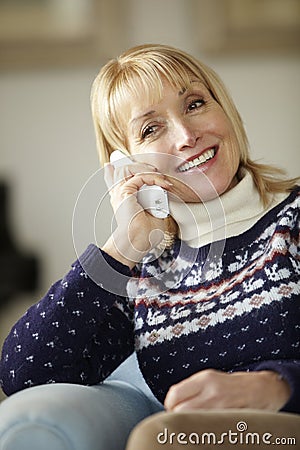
143,116
150,113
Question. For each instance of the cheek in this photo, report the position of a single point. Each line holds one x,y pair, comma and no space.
161,161
229,137
221,124
156,153
143,148
234,152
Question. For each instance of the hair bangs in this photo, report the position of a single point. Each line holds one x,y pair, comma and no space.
144,77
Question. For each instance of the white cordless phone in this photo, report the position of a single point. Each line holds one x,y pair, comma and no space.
153,199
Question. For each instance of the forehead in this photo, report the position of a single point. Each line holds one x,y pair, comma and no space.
144,83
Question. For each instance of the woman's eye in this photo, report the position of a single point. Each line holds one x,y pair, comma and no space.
148,130
195,104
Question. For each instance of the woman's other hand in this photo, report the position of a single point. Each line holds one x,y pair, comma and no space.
212,389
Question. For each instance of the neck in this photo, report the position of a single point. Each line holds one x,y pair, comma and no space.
235,211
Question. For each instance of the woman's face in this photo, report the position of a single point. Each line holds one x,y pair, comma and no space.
188,137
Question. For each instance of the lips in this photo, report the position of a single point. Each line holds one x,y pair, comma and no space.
198,160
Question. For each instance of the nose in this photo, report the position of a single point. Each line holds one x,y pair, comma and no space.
185,136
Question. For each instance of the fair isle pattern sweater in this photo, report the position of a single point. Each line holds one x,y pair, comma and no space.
188,310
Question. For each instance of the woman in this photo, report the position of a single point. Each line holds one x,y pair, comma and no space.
215,320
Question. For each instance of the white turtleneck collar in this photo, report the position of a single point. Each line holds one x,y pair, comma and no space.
234,212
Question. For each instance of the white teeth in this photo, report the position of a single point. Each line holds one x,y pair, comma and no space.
198,161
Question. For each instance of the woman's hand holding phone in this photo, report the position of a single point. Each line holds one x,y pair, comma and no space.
137,230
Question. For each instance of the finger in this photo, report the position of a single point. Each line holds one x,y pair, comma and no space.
192,403
126,173
109,175
192,386
132,185
181,392
128,170
138,167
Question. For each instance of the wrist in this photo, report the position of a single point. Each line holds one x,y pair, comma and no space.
280,389
123,251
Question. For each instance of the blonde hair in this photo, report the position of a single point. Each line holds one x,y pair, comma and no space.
140,71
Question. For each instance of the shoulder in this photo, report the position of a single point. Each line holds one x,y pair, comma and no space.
288,211
287,208
294,195
280,226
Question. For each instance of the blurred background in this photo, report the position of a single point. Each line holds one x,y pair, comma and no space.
50,52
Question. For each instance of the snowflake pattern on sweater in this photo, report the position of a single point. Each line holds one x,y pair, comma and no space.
235,311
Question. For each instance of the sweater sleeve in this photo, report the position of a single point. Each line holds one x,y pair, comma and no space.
79,332
289,370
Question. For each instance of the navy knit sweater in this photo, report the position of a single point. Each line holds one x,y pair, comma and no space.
189,309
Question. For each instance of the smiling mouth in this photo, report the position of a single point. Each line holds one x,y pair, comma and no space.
198,160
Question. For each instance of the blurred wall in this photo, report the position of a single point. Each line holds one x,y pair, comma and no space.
47,147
